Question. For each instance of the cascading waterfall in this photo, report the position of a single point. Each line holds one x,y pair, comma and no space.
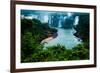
76,20
61,21
59,24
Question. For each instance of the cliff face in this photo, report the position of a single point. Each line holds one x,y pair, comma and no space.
83,27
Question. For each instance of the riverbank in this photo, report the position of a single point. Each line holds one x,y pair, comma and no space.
46,40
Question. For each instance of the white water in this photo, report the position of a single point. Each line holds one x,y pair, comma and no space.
65,37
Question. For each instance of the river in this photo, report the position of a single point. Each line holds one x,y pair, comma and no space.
65,37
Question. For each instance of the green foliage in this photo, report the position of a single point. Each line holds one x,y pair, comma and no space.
79,52
26,25
27,45
60,53
57,53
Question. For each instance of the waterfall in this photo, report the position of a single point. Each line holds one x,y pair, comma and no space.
45,18
59,24
76,20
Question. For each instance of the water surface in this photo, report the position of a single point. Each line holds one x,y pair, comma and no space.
65,37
